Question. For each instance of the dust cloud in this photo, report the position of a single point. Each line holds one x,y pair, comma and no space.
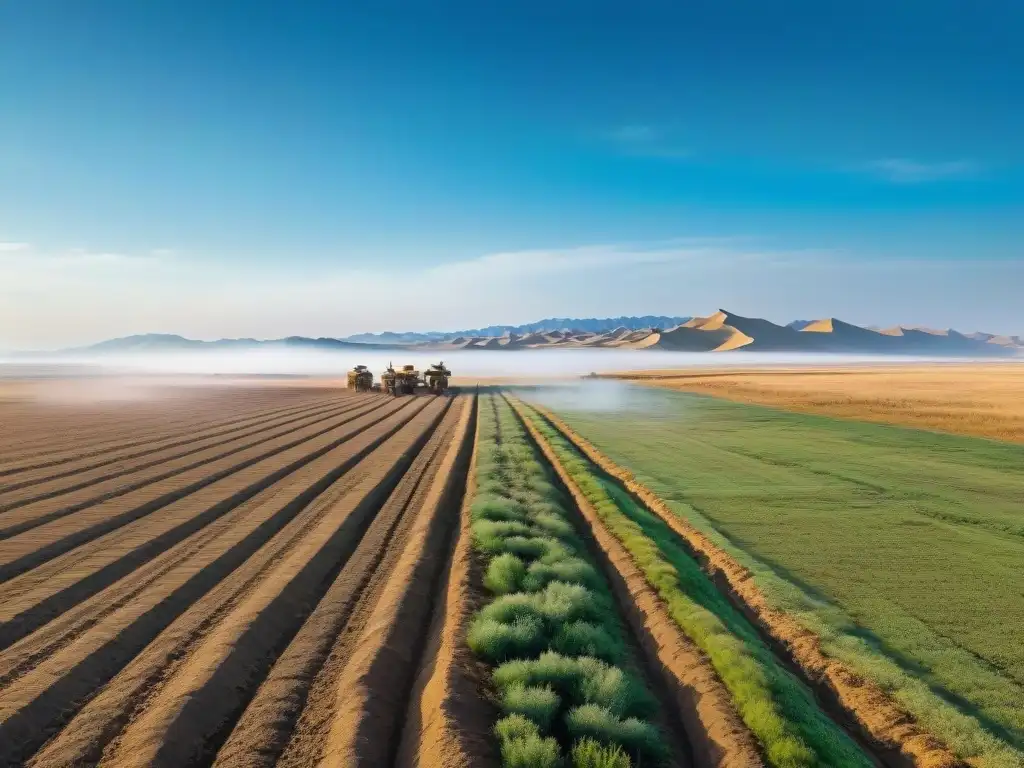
596,396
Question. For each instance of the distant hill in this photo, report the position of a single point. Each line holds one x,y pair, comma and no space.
722,331
586,324
166,342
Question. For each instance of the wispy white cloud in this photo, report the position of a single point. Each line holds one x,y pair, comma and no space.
642,140
902,170
79,296
54,300
13,247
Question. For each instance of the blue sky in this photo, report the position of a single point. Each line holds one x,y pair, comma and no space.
242,167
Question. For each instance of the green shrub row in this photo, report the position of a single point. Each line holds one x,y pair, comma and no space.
778,708
550,630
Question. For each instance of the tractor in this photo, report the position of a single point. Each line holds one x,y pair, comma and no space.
436,378
360,379
406,380
388,381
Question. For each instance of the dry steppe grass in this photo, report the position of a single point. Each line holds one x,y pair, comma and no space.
984,400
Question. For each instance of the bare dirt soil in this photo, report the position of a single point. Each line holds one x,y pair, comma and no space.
985,400
235,574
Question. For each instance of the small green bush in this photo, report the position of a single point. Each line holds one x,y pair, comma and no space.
498,641
561,602
611,687
492,535
635,736
538,703
505,574
491,505
588,753
515,727
555,525
572,570
581,638
559,672
522,745
507,608
534,547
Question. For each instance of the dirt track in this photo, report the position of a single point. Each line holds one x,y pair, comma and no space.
224,576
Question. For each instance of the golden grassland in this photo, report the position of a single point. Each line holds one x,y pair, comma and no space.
984,400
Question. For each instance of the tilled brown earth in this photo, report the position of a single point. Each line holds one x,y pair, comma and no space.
246,578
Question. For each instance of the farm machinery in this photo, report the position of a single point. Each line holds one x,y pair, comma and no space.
436,378
406,380
360,379
400,382
387,381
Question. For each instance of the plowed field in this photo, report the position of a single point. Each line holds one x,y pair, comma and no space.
223,576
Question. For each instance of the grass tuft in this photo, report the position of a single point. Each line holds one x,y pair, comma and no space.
522,746
589,753
505,574
538,703
634,736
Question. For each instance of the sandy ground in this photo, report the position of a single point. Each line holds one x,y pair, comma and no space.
985,400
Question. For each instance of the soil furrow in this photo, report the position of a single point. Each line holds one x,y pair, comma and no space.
44,441
34,597
95,455
189,604
55,504
268,722
27,550
77,477
41,430
371,672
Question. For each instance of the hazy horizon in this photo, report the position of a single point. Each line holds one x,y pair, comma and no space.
481,363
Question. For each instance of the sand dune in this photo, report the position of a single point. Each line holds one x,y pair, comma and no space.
724,331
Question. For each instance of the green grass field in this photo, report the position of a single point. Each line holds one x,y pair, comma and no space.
904,549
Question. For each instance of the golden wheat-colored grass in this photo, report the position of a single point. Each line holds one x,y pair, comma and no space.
981,400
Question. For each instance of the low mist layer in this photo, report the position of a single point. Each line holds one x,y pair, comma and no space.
524,364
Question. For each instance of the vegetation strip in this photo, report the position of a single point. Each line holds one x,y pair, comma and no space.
882,719
551,628
716,732
775,706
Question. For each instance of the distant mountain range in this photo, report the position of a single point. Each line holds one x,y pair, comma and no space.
721,332
588,324
725,331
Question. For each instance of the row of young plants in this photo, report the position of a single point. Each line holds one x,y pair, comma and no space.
778,709
550,631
